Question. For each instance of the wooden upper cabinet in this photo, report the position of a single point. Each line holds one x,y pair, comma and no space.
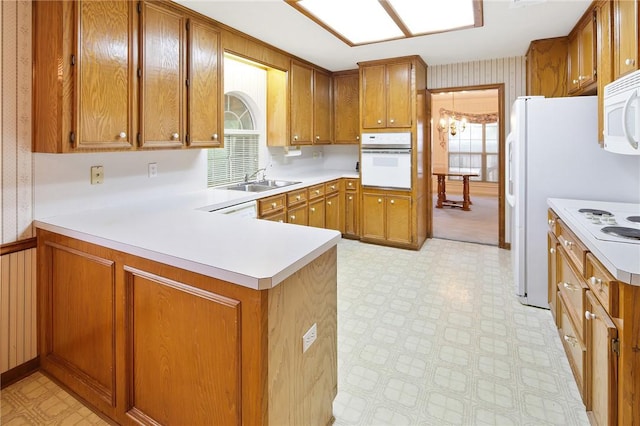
301,112
322,108
345,107
162,83
204,98
582,55
625,51
546,65
84,76
386,95
311,105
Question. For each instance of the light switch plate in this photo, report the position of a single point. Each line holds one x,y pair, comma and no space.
153,170
97,175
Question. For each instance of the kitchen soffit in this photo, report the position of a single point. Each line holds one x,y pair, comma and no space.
360,22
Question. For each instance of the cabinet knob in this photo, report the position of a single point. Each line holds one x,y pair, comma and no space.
551,222
392,121
552,250
281,221
350,198
568,244
298,198
317,191
122,135
575,81
379,121
379,200
350,184
629,61
175,136
214,136
581,77
274,205
569,286
333,187
328,203
571,340
317,137
313,209
295,137
589,316
293,217
596,282
392,201
357,138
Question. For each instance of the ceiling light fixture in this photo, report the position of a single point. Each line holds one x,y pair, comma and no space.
370,21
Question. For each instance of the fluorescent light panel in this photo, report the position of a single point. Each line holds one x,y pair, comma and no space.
367,21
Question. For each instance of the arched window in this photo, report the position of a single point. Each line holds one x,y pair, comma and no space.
239,156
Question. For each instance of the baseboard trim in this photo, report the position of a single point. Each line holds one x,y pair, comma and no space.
19,372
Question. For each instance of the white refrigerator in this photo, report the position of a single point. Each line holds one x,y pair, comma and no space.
552,151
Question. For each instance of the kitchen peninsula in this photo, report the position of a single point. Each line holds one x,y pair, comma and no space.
157,313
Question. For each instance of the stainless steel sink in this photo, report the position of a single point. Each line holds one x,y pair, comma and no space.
259,186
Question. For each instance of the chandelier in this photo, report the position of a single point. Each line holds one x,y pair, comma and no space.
449,120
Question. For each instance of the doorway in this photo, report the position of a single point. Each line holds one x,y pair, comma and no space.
467,144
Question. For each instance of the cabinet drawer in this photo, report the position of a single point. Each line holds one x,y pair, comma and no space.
572,245
296,197
552,220
331,187
602,284
351,184
269,205
573,346
316,191
572,288
276,217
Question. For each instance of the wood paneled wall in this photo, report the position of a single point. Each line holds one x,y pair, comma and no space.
510,71
18,342
15,117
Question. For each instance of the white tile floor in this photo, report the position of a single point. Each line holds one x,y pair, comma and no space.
436,337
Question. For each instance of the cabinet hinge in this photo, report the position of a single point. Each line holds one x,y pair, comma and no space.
139,7
138,137
187,25
72,137
615,346
73,60
595,74
139,73
186,82
187,138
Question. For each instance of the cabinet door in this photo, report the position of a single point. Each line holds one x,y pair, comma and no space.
602,363
351,213
317,213
161,103
322,120
625,51
587,53
298,215
373,217
399,95
332,212
574,65
345,102
398,212
373,97
105,73
301,83
204,96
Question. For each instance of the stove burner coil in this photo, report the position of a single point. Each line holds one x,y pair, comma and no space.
634,219
622,232
596,212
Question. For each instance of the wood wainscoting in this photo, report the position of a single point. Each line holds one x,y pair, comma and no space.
18,332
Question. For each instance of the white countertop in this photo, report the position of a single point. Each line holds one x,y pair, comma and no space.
180,231
622,260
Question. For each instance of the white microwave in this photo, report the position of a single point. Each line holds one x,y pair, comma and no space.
622,115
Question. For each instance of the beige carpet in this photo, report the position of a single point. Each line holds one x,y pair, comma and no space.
480,225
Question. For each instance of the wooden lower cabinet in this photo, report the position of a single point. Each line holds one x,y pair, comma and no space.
387,217
351,229
316,213
298,215
333,212
147,343
598,320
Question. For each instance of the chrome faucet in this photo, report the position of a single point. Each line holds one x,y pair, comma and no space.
249,176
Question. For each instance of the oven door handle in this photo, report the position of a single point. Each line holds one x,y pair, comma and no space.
386,151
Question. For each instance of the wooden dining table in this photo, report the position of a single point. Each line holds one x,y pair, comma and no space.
442,190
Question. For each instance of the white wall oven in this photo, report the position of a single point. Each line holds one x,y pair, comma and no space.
385,160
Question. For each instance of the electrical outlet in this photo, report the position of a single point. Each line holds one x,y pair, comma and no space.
316,154
97,175
309,337
153,170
